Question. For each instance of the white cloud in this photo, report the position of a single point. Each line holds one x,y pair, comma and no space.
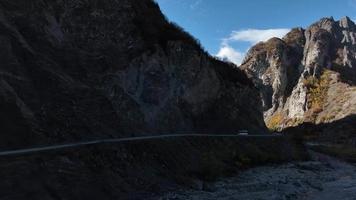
230,54
251,36
257,35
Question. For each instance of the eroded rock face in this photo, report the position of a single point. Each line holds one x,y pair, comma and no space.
266,66
91,69
273,71
317,48
295,83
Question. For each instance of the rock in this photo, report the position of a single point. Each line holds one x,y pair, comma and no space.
77,70
296,104
273,71
286,70
284,182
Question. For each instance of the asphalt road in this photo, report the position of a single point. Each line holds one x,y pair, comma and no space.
117,140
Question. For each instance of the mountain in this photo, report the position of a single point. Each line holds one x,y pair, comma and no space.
73,70
308,76
81,70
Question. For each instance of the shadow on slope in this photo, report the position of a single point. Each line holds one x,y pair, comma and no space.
347,74
138,169
342,131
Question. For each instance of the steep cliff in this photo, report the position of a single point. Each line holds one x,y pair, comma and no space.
82,69
307,76
77,70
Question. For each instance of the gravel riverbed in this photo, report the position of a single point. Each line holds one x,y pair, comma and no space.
323,178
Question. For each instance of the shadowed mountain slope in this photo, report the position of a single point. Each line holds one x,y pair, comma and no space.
73,70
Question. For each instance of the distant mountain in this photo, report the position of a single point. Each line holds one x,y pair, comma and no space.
307,76
73,70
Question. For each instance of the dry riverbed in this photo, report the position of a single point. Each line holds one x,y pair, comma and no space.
324,178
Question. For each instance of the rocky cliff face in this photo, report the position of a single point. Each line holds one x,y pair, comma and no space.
87,69
307,76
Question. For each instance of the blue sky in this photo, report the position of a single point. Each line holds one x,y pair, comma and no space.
229,27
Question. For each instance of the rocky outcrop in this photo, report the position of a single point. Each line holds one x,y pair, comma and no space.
299,74
73,70
273,71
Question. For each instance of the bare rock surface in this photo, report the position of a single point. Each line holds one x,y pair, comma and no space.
303,76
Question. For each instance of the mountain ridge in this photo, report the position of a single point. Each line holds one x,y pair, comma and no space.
92,70
308,75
